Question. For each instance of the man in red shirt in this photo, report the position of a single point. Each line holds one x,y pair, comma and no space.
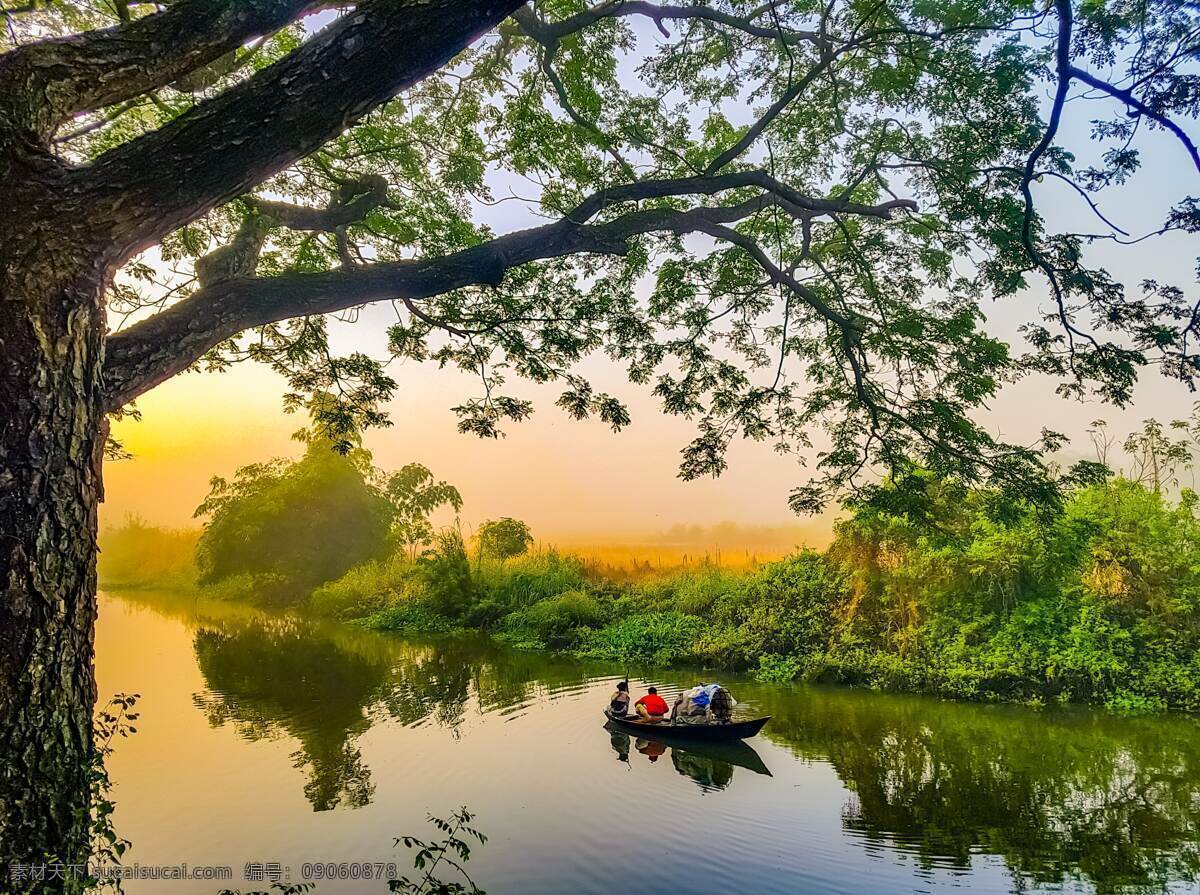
651,707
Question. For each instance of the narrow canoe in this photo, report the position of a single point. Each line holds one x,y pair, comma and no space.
665,730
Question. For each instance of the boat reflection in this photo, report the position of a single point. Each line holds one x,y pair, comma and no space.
710,765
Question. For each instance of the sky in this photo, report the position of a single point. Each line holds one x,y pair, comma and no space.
578,481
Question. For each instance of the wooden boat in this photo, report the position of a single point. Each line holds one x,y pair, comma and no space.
666,731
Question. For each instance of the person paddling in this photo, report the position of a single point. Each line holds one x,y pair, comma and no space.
651,707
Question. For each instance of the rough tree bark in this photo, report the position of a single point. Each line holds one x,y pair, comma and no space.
64,232
51,445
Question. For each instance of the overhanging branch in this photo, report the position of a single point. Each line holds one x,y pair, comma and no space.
1127,97
47,82
356,199
542,30
232,142
167,343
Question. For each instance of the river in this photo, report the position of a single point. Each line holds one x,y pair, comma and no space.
278,740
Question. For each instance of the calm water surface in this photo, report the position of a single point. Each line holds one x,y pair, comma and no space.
270,738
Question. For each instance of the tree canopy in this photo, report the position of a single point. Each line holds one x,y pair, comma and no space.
289,525
780,217
413,494
293,524
504,538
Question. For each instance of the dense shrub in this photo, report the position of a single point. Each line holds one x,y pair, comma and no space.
1097,603
366,589
295,524
412,616
556,622
445,573
969,596
693,592
524,581
776,669
784,609
654,638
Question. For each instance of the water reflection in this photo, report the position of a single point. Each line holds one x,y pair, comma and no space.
1060,797
273,677
710,765
1059,794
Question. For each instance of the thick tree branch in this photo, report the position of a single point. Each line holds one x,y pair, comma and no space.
658,13
167,343
240,257
355,201
151,186
44,84
711,184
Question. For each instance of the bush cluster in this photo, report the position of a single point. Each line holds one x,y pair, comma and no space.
1097,601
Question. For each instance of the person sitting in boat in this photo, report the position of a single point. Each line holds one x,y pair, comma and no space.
651,707
618,703
703,704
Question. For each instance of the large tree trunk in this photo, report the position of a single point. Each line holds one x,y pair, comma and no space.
51,446
63,230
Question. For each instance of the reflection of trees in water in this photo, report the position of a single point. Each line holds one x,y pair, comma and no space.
1057,794
435,685
273,677
437,679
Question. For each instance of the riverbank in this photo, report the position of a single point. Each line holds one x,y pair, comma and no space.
1096,603
284,738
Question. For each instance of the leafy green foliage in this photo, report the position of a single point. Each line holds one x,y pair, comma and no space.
284,528
431,858
900,151
1096,603
114,719
557,622
652,638
929,585
448,853
963,593
366,588
293,525
414,494
532,578
787,608
504,538
446,574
